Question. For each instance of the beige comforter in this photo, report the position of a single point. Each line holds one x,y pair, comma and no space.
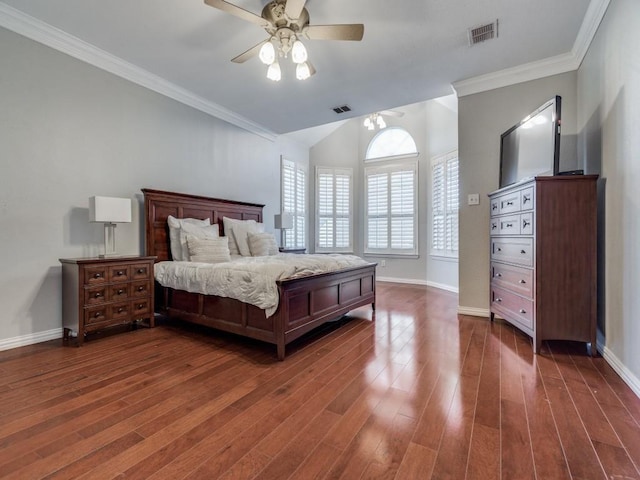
249,279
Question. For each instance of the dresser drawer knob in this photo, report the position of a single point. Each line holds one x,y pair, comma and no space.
498,274
499,249
498,299
493,226
98,295
525,223
140,288
522,281
525,198
141,270
522,310
509,225
509,203
97,275
494,206
120,273
120,291
97,315
120,310
522,252
140,306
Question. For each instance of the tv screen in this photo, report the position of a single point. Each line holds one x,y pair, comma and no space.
532,146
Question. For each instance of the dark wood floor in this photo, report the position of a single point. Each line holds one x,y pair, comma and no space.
420,393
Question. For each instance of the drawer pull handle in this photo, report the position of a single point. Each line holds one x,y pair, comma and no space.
498,299
509,225
120,273
141,270
140,306
525,198
498,274
140,288
97,275
97,315
525,223
522,281
120,310
499,249
98,295
522,310
494,206
120,291
509,203
522,252
493,226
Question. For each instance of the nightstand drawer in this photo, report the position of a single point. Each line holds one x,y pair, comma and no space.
119,273
140,307
119,292
95,295
140,272
95,274
120,311
140,289
96,314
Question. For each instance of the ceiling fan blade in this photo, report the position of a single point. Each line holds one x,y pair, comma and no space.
293,8
353,31
312,70
252,52
238,12
391,113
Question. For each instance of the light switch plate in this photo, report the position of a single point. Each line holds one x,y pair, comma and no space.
473,199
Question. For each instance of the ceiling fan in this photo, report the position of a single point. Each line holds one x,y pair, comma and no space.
286,22
376,119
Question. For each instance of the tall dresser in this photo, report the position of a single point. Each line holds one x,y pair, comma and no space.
543,258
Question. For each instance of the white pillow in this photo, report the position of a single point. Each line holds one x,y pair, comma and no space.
198,231
228,224
208,250
262,244
241,233
174,233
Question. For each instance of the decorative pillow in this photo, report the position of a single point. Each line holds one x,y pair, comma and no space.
240,235
262,244
208,250
228,227
198,231
174,233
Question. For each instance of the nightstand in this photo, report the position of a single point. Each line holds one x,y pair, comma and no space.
292,250
103,292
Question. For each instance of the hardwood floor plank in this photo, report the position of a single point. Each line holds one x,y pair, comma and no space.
417,463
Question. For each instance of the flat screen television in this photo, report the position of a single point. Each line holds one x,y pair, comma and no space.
532,146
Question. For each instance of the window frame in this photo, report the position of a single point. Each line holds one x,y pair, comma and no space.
295,237
447,212
333,172
389,169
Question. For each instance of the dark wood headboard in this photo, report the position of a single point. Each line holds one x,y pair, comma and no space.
158,205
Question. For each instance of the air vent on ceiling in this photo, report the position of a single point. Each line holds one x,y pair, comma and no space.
483,32
342,109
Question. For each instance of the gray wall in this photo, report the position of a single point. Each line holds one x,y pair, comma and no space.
434,128
69,131
609,144
482,118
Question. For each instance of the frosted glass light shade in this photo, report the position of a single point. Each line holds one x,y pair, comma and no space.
274,73
283,221
110,209
267,53
302,71
298,52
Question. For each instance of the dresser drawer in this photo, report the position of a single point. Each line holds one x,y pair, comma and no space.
513,306
513,250
509,203
140,289
509,225
527,198
516,279
526,223
494,208
140,308
96,314
119,292
119,273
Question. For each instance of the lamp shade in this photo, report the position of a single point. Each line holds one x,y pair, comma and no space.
109,209
283,221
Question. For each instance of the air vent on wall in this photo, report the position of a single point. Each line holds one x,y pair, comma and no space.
483,32
342,109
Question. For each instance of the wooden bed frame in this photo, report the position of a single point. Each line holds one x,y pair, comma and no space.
305,303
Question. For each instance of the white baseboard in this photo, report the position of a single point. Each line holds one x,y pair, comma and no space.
30,339
414,281
627,376
474,312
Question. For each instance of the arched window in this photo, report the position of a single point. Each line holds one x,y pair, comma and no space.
391,142
391,194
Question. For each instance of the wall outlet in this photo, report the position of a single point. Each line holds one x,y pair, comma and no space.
383,263
473,199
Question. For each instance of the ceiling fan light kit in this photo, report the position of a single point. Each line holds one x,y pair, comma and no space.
286,21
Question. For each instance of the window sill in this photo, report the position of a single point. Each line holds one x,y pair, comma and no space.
412,256
444,258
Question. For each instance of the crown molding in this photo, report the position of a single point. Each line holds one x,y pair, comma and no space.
36,30
566,62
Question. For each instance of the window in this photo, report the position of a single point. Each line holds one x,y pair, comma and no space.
334,225
444,215
294,201
391,201
391,142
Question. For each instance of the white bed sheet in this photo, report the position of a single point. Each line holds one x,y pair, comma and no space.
249,279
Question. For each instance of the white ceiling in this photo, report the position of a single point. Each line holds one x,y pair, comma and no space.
413,50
